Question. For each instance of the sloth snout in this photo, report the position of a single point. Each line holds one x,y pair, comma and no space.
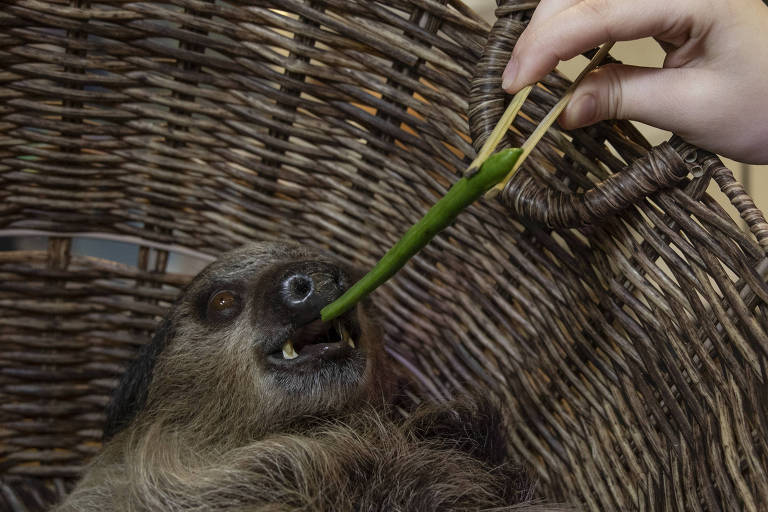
305,291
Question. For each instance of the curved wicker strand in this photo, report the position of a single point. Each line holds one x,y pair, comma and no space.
487,99
742,201
660,168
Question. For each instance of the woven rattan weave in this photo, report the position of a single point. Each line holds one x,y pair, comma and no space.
624,332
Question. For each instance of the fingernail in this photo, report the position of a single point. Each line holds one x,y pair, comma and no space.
508,76
581,112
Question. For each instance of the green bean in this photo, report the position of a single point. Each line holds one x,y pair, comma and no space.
463,193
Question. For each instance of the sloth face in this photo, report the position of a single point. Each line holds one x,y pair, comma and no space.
245,342
266,300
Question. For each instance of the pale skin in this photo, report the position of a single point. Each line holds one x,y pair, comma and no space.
712,89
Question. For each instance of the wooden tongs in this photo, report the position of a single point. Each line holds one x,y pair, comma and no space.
509,116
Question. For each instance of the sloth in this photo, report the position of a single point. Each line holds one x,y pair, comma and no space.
245,401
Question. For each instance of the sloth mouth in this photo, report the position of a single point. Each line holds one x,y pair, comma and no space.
319,340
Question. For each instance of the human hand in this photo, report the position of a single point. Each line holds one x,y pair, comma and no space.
712,90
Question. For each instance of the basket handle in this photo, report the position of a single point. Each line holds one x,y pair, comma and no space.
663,166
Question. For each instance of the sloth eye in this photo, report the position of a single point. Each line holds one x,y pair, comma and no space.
223,300
223,305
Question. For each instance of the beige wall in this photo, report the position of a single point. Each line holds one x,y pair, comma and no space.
646,52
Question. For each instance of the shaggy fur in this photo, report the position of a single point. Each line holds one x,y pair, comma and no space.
204,420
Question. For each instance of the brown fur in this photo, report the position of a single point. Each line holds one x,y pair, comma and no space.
202,423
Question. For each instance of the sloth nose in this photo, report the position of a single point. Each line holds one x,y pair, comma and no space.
298,289
304,292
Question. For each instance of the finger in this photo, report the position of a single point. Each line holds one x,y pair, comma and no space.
585,25
548,8
669,99
544,11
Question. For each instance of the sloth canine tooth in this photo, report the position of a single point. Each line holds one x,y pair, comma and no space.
288,351
345,335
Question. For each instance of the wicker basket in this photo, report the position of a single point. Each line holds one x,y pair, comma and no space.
623,327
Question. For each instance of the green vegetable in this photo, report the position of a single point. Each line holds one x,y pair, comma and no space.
461,195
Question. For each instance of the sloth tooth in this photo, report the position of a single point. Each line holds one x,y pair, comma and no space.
345,335
288,351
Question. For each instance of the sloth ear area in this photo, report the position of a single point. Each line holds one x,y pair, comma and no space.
130,395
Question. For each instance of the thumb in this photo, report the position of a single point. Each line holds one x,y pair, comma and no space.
618,91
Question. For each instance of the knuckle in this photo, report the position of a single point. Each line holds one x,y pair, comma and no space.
600,14
595,7
612,79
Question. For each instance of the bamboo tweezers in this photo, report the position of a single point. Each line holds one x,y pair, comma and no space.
511,112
